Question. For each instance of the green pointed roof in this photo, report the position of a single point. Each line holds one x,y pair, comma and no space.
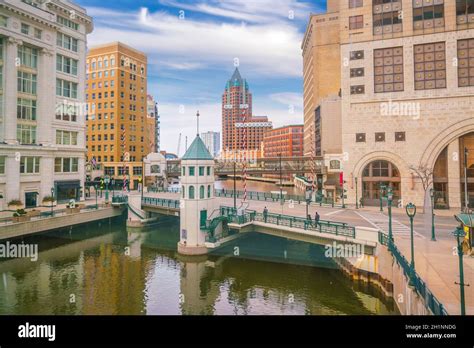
197,151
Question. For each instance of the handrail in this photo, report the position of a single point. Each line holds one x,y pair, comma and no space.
420,286
161,202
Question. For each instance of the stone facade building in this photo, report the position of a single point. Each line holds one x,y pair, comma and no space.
42,117
407,87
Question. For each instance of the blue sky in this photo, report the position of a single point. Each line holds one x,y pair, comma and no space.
192,47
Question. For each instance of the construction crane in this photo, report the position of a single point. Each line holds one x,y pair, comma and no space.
179,145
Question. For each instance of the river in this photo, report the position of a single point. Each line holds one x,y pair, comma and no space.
259,186
101,268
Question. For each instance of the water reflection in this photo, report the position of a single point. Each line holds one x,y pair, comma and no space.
107,270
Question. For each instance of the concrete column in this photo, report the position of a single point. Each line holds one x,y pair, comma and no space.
47,176
454,175
12,173
10,91
46,104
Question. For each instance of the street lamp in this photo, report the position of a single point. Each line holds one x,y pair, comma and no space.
459,233
235,184
389,201
309,194
382,188
96,203
281,183
52,201
432,195
107,181
411,212
357,194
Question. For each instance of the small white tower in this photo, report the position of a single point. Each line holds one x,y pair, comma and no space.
197,197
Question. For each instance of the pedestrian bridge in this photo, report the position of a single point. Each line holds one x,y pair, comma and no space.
227,223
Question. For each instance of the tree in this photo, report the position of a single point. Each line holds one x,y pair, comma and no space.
425,174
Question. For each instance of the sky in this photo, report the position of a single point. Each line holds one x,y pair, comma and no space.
193,48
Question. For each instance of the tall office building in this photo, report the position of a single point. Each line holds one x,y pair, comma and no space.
42,60
407,98
212,140
241,131
116,91
153,129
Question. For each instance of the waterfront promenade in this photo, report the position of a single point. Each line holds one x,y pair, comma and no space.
435,262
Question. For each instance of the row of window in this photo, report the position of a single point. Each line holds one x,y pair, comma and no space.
380,137
202,193
31,165
192,171
429,67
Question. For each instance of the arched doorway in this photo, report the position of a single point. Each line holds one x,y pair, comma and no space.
376,174
441,180
466,143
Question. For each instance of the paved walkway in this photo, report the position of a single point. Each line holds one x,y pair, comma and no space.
435,262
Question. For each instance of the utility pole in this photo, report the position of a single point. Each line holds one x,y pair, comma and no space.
466,199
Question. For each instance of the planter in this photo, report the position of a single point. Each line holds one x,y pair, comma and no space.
48,204
15,207
23,218
33,213
73,210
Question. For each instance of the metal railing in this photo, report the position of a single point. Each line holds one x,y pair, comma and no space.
160,202
419,285
323,226
119,199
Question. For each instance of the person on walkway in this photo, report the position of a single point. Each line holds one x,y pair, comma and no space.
310,221
265,214
316,219
361,201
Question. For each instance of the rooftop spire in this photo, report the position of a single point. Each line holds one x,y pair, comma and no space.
197,118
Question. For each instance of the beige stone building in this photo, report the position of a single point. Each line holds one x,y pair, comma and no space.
407,87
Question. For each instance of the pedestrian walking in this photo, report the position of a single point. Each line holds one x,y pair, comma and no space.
265,214
316,219
310,221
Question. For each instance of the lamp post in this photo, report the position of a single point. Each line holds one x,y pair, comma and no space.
382,187
466,198
52,201
107,181
432,195
281,183
309,194
96,203
389,201
411,212
235,184
459,233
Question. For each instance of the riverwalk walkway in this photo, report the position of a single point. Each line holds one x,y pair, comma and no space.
435,261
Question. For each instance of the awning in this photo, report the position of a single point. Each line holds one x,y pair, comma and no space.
465,219
67,184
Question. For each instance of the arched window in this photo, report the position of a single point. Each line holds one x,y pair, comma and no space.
377,174
208,191
184,191
201,192
191,192
112,61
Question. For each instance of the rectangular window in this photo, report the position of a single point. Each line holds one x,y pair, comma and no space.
379,137
356,3
387,16
28,56
201,171
66,89
29,165
191,171
356,55
208,171
26,134
357,72
359,89
67,42
66,137
356,22
26,109
68,23
2,165
465,11
388,70
66,65
66,165
400,136
466,62
3,21
25,29
137,170
38,33
428,14
26,82
360,138
430,66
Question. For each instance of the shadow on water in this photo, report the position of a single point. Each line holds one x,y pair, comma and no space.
101,268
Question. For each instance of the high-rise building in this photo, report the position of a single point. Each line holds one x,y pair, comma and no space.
117,117
407,87
153,125
286,141
212,140
321,79
241,131
42,123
